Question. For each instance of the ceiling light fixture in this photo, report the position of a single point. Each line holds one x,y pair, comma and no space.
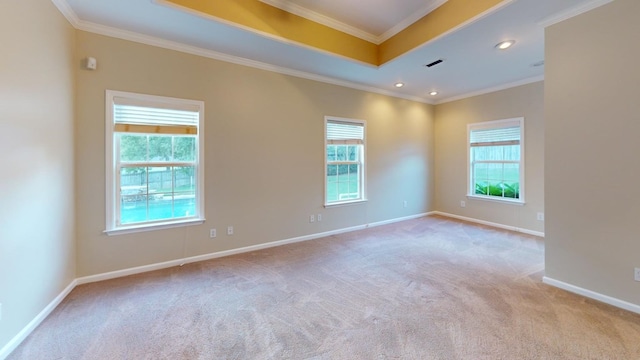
398,84
433,93
505,44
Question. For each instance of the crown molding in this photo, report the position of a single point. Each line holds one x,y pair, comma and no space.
314,16
474,19
75,21
264,34
575,11
194,50
67,12
306,13
432,5
492,89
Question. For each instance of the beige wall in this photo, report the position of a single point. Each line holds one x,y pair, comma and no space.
451,155
592,166
37,249
264,153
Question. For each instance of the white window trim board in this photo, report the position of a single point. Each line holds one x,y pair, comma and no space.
492,125
111,181
363,181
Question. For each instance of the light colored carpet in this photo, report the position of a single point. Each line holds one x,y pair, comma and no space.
430,288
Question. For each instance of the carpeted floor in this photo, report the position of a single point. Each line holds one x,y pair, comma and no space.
431,288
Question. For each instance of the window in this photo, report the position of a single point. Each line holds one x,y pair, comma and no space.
154,162
496,160
344,160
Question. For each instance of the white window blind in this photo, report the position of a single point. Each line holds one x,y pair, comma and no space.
494,137
141,119
344,133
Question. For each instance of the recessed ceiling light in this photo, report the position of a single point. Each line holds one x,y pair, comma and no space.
398,84
433,93
505,44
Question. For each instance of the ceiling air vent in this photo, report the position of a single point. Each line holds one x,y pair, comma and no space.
434,63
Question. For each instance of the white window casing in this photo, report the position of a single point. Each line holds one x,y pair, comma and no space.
495,161
344,155
176,127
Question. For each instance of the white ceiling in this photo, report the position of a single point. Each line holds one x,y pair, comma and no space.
471,63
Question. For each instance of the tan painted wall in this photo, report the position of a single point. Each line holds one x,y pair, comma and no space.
37,249
592,166
264,153
451,155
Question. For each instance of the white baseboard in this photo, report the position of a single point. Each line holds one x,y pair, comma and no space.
592,295
219,254
489,223
19,338
7,349
13,344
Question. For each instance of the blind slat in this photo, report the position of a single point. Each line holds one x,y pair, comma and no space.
344,142
498,135
128,114
170,104
342,133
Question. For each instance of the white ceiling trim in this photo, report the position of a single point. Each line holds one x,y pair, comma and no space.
575,11
458,27
252,30
75,21
492,89
71,16
67,12
410,20
306,13
322,19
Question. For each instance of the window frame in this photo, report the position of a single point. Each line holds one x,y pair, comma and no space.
112,190
361,162
497,124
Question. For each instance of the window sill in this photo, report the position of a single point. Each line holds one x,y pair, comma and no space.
517,202
151,227
345,203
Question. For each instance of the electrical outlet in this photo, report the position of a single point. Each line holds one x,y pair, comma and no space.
463,204
212,233
404,204
319,217
312,218
540,216
229,230
636,274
